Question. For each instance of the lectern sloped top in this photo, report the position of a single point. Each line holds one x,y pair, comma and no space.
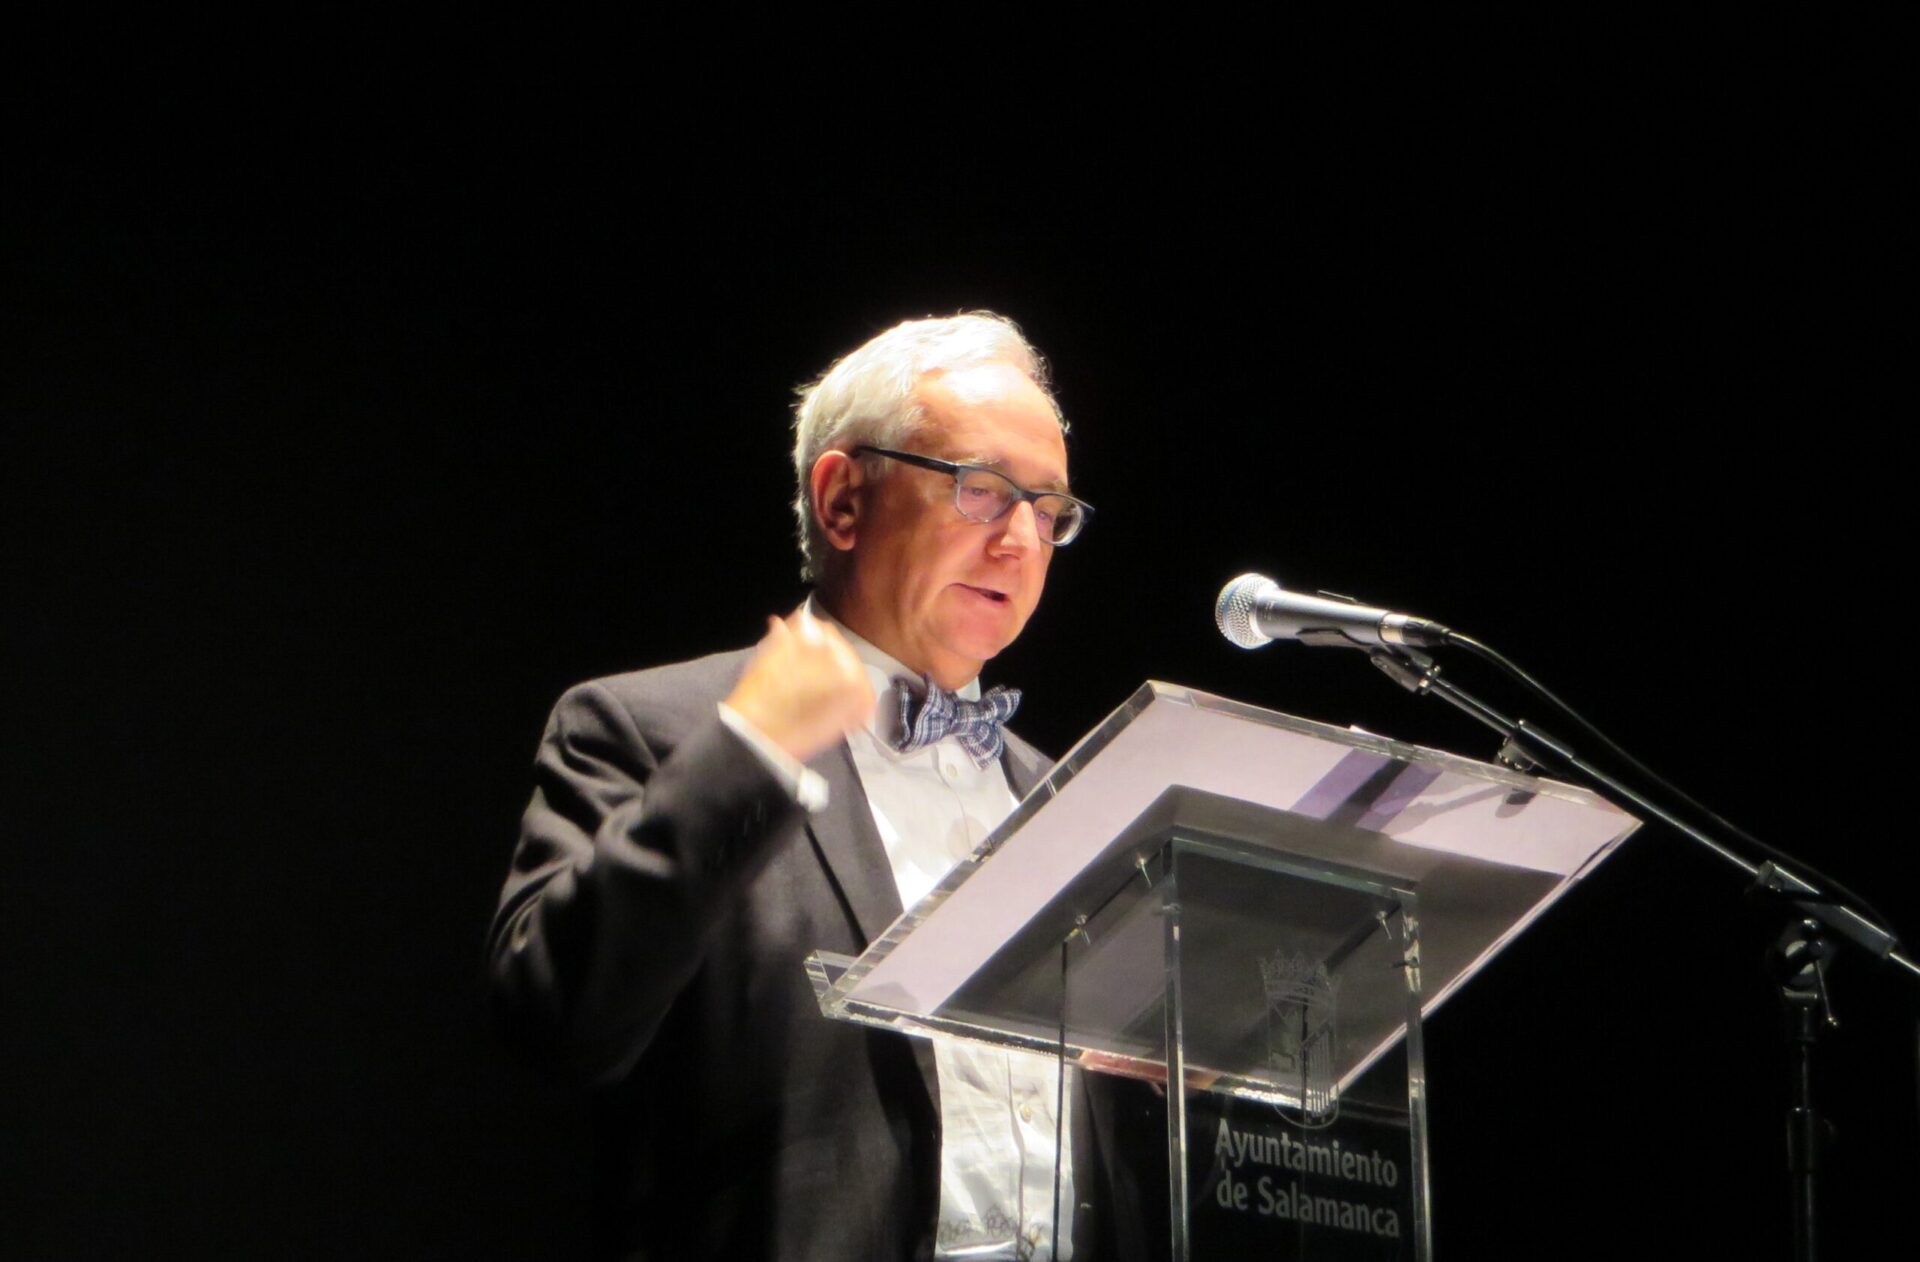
1483,850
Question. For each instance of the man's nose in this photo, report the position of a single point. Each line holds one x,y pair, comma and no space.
1019,531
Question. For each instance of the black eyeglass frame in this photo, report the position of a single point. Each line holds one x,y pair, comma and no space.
1021,495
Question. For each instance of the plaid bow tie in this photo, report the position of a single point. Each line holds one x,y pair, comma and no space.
976,723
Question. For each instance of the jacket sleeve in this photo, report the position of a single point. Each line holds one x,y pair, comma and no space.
629,854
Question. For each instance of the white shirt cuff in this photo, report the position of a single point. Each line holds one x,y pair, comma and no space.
805,786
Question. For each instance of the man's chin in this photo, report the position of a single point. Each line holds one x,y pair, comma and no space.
971,651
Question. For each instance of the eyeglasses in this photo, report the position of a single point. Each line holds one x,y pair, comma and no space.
981,494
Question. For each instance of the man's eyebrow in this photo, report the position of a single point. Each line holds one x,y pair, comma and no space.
1000,466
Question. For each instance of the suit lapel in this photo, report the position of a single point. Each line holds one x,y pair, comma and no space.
850,845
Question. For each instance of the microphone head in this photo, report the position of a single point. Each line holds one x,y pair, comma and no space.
1233,612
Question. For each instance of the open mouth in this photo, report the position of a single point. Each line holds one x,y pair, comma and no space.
988,592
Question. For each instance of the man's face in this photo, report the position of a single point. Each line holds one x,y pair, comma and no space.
942,593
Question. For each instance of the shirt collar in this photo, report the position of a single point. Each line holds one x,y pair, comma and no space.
882,669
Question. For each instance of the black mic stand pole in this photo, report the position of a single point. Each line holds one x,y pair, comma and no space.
1796,960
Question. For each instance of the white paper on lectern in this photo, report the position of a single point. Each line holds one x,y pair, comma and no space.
1293,765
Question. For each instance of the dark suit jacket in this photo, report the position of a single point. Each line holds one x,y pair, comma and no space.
651,934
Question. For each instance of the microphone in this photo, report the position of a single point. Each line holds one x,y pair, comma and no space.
1254,610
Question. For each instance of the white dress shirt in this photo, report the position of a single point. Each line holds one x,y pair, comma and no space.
932,807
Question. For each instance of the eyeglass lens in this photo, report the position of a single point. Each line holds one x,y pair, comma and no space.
984,495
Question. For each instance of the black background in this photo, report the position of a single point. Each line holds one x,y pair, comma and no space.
349,422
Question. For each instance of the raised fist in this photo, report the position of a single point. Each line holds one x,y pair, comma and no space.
804,687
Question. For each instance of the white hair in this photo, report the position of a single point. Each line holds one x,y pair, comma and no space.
868,398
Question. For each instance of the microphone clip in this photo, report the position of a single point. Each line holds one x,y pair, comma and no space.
1410,668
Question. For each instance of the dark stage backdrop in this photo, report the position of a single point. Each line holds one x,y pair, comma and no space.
343,442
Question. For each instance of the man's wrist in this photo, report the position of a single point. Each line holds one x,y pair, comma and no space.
806,786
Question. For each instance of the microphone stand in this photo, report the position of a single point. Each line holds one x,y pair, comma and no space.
1796,960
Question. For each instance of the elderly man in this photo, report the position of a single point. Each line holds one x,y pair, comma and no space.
697,829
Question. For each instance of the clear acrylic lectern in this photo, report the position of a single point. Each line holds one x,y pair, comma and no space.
1250,911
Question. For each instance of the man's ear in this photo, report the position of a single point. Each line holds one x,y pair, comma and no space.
837,490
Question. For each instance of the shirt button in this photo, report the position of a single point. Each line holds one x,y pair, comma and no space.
1026,1112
